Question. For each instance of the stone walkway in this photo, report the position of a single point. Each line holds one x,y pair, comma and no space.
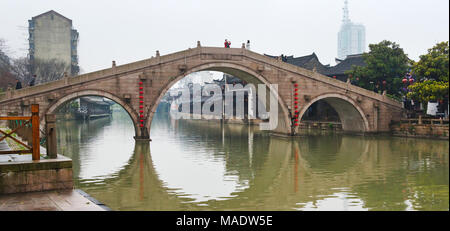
64,200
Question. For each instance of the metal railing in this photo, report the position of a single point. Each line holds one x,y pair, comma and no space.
34,149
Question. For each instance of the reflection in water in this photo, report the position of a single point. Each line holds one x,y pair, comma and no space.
200,165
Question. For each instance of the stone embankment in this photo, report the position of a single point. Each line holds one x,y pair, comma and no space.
422,128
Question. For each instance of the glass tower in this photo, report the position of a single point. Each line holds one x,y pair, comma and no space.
351,37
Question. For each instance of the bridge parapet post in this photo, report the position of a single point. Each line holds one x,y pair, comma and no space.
50,131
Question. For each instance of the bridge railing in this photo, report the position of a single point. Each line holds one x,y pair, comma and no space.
34,149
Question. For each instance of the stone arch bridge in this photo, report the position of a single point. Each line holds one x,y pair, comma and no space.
139,86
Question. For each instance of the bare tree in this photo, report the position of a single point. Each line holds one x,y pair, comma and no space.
5,61
21,69
49,70
7,79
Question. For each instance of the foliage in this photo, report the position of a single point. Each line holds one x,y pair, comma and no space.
434,65
74,104
428,90
385,61
394,97
433,68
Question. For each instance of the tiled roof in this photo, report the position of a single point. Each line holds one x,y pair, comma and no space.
97,100
346,64
311,62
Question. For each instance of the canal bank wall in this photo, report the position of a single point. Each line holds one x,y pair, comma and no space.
421,128
25,175
20,173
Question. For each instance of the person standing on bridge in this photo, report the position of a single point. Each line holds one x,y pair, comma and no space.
18,85
247,46
227,43
32,81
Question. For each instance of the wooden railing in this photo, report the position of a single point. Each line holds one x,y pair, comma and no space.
35,142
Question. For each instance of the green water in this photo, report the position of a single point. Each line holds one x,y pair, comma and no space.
198,165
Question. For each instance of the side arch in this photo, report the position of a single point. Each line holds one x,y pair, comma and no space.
94,92
351,115
234,69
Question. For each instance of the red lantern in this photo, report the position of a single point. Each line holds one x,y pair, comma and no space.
142,121
295,89
141,88
296,102
142,125
296,124
141,92
411,80
142,116
296,106
404,80
140,83
296,120
141,111
296,98
141,106
141,97
296,85
296,112
295,93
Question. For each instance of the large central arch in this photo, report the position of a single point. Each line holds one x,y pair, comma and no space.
351,115
236,70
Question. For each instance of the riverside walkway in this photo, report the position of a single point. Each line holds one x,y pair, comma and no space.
53,200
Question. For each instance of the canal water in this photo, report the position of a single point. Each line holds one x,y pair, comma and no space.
200,165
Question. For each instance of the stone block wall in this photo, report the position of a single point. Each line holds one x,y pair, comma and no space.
33,176
421,130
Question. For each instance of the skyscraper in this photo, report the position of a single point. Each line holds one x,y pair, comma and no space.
351,37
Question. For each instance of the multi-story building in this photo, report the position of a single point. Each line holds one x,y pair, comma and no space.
51,37
351,37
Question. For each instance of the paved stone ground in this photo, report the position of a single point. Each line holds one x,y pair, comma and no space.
4,146
63,200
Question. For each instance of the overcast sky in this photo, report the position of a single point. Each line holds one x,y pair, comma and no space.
131,30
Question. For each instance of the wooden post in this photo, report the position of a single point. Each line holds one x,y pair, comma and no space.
50,130
35,125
